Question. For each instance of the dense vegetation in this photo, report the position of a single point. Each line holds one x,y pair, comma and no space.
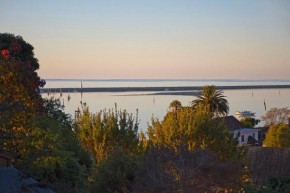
278,136
107,130
190,150
37,130
250,122
196,128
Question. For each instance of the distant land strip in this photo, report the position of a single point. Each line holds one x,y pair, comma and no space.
157,89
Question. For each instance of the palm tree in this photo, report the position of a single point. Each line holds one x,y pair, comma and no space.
175,105
213,98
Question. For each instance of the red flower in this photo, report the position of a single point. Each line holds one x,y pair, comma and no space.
5,53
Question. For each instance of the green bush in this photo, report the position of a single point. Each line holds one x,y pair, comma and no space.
115,174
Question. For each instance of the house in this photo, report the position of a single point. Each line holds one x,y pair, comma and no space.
247,136
6,158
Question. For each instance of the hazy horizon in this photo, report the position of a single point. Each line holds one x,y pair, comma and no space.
128,39
166,79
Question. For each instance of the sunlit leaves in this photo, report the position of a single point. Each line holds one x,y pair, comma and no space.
20,99
195,128
278,136
102,132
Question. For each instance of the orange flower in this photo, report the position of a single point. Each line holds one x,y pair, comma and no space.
5,53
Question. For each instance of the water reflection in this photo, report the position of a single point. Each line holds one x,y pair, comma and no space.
157,106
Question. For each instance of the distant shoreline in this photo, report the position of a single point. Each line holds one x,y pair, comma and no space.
158,89
166,80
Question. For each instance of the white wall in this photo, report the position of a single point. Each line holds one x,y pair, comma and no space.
246,135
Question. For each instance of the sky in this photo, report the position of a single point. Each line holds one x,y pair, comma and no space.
165,39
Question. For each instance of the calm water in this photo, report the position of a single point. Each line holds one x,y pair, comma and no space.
76,83
239,100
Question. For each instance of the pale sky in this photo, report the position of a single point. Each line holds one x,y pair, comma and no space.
243,39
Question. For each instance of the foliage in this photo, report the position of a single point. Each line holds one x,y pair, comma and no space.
279,185
195,128
278,136
54,109
37,130
250,122
276,116
274,185
45,154
164,170
108,129
20,99
214,98
60,167
250,187
175,105
189,151
115,174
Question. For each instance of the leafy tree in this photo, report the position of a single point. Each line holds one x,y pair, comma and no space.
102,132
274,185
59,167
278,136
115,174
52,153
195,128
143,143
55,111
20,99
214,98
280,185
250,187
276,116
250,122
175,105
38,130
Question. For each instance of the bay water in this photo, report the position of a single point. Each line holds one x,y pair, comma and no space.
156,106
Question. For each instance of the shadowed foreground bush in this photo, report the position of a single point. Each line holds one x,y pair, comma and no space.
115,174
163,170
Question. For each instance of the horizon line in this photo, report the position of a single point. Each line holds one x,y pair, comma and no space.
162,79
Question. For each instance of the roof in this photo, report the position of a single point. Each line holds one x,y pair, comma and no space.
263,129
232,123
267,162
11,180
246,130
7,155
252,141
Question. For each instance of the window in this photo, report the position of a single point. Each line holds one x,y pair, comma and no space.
254,136
243,138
